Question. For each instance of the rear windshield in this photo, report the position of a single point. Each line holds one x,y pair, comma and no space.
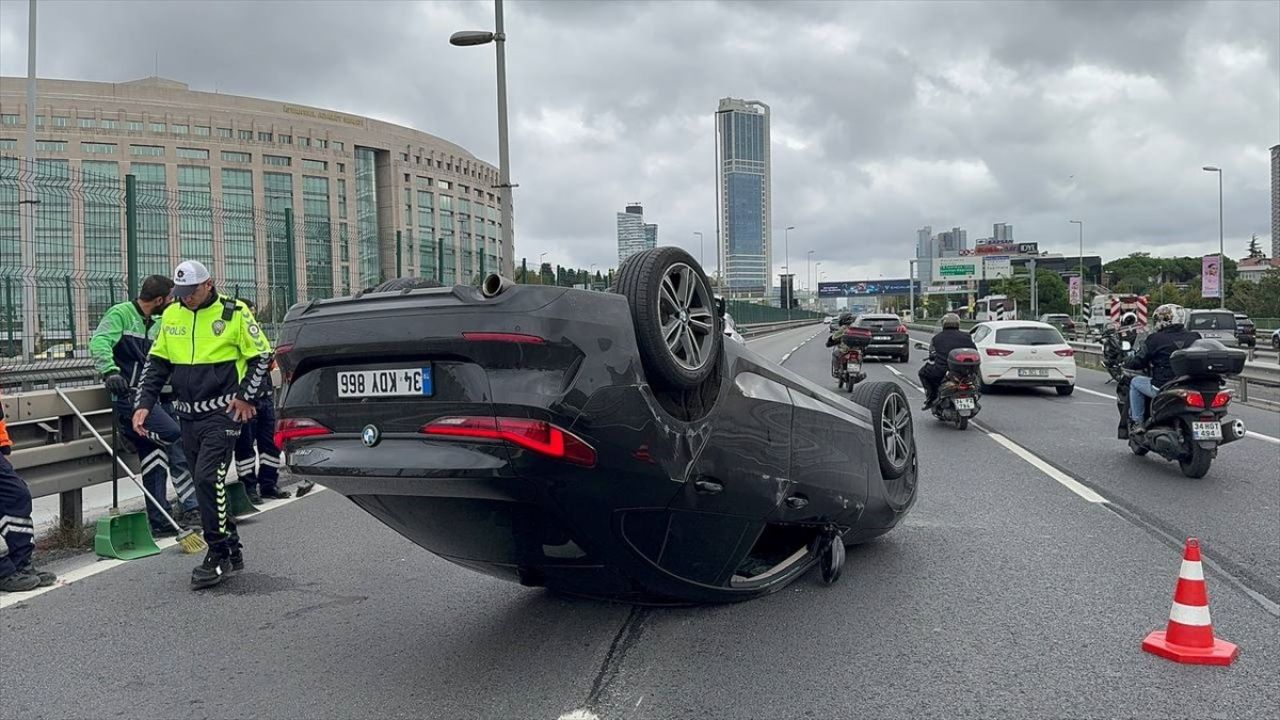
1029,336
1212,321
879,323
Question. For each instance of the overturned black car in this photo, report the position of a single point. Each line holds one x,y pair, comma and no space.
601,444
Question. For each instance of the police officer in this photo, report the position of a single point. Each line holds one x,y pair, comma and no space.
17,530
119,347
260,471
218,359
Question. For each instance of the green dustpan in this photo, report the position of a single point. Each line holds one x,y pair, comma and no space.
125,537
238,500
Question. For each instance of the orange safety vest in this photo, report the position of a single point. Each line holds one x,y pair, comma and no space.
4,433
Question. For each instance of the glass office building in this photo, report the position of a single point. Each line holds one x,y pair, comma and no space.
743,197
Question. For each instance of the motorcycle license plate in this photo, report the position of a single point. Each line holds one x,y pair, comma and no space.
1206,430
853,367
964,403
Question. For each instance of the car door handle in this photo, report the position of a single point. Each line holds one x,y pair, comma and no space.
707,487
795,502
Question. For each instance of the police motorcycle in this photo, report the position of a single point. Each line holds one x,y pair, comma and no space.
958,393
1187,420
848,343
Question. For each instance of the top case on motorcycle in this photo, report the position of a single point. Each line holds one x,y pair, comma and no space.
1204,359
963,360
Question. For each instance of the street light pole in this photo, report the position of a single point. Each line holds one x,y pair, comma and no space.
1221,253
499,38
1080,307
786,243
808,271
30,316
911,286
702,258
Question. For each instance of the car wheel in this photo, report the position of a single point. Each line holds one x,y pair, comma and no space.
891,422
906,355
673,310
1065,390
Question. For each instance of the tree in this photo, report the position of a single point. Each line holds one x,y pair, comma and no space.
1255,250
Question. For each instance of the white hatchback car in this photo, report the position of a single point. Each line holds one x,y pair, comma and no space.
1023,352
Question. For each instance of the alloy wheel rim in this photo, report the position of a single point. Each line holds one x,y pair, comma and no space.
684,314
895,430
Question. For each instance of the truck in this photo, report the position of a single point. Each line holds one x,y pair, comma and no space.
1104,306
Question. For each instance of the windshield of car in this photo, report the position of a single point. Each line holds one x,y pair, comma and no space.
1029,336
1212,321
879,322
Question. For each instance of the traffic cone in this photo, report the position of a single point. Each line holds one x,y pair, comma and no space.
1189,635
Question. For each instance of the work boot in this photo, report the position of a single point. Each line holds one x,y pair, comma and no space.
275,494
45,577
1136,429
237,560
19,581
255,496
212,571
1122,432
163,531
190,518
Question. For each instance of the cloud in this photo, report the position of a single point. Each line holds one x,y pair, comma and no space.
886,116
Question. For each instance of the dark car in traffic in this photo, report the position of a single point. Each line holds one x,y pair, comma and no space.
1062,321
889,337
1246,331
605,444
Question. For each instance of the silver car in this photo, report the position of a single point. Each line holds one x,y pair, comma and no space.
1217,325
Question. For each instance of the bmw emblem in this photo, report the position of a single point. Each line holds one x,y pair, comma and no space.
370,435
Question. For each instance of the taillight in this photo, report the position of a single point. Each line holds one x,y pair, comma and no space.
997,352
282,361
1221,399
536,435
518,338
1065,353
293,428
1194,399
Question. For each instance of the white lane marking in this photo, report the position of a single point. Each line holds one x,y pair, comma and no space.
101,566
1062,478
583,715
1112,396
897,372
1247,433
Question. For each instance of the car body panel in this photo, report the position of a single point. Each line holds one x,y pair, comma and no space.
995,338
1217,325
889,335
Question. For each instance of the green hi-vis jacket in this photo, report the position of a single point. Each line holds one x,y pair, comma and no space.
122,341
214,354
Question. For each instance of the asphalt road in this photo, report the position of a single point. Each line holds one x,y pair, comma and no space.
1003,594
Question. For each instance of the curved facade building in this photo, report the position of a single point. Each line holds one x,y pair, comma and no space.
214,175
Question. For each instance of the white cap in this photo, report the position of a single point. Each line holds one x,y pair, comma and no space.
189,275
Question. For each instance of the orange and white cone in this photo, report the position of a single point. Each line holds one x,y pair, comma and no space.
1189,635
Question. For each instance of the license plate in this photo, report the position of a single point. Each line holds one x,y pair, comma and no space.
1033,372
882,337
964,403
853,367
1206,430
400,382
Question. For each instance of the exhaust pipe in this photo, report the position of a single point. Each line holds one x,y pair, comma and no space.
1232,430
495,285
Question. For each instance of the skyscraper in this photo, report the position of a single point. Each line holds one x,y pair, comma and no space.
951,242
1275,202
924,254
1001,233
633,234
743,196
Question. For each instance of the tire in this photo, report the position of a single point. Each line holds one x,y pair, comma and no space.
905,357
840,383
962,423
670,297
1197,466
852,383
1137,449
1065,390
892,425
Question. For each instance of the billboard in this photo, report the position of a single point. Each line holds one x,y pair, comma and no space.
1074,290
855,288
956,269
1210,277
997,267
1003,249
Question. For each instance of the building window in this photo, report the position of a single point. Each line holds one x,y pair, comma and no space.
11,119
195,222
85,123
156,127
109,124
101,222
61,122
7,144
342,167
368,247
244,134
193,153
322,143
51,145
179,129
444,184
317,231
146,150
285,139
339,146
279,160
238,245
264,137
319,165
153,219
236,157
278,194
202,130
404,157
408,207
424,181
224,132
342,200
417,159
304,142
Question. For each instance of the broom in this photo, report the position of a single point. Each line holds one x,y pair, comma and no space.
188,540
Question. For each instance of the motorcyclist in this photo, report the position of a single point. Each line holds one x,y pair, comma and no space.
845,320
935,370
1113,352
1153,357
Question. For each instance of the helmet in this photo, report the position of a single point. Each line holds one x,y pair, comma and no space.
951,321
1129,318
1168,314
846,319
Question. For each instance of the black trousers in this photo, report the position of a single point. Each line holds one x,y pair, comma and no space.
931,376
16,526
209,441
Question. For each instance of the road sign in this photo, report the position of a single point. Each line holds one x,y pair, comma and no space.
997,267
1073,290
957,269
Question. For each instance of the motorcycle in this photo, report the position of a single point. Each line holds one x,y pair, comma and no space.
958,393
1117,346
1187,420
846,358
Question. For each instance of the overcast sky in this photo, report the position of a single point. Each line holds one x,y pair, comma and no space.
886,117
